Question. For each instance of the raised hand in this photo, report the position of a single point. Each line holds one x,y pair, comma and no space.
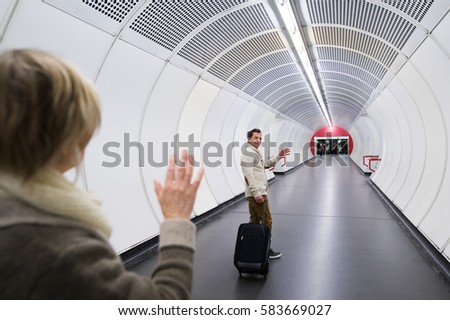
177,196
285,152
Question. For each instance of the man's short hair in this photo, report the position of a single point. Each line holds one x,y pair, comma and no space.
250,133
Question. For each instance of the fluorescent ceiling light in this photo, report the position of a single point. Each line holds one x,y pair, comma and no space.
287,14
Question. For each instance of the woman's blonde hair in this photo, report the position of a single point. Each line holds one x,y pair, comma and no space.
48,112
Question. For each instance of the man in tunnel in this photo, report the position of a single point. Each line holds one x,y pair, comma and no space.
253,166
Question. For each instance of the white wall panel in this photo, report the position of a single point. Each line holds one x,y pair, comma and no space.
7,8
85,12
297,146
436,222
212,129
382,118
374,136
393,143
191,123
359,144
293,159
362,142
282,131
306,138
160,123
377,122
120,187
401,142
441,33
262,119
403,151
435,139
228,137
275,136
418,143
59,33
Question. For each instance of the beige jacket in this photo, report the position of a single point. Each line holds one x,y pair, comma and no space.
254,169
53,246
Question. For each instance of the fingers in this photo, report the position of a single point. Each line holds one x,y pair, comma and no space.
188,163
181,169
170,175
181,174
198,179
158,188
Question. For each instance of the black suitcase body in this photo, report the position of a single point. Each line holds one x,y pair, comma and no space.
251,254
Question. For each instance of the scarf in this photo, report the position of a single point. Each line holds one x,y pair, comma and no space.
51,192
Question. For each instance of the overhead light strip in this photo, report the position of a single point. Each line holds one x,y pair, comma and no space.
287,14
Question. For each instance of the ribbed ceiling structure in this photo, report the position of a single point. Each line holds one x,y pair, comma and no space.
244,46
355,44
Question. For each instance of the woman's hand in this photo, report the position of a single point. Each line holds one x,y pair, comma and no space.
177,196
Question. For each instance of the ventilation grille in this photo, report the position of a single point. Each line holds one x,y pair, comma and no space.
271,89
354,58
254,69
293,98
116,10
269,77
223,33
339,67
293,86
307,111
351,97
348,79
370,46
247,51
337,100
165,22
307,114
303,93
416,9
364,16
332,85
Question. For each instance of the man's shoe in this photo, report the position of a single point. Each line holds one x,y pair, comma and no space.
274,255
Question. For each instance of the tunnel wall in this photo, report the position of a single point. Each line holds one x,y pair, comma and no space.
410,118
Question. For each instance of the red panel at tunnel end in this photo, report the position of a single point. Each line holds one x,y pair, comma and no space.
331,132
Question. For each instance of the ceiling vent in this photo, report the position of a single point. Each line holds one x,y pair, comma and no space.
333,85
269,93
116,10
224,32
339,67
165,22
245,52
354,58
347,79
357,41
365,16
416,9
290,97
256,68
270,76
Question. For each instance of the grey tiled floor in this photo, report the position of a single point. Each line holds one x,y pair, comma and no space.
338,241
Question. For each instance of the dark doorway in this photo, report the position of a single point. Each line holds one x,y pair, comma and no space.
331,145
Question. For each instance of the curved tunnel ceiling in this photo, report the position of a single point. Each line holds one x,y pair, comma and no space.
355,44
242,46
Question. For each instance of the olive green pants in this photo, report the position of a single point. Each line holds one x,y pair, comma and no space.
256,211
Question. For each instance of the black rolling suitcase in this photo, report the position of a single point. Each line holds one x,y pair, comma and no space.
251,254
